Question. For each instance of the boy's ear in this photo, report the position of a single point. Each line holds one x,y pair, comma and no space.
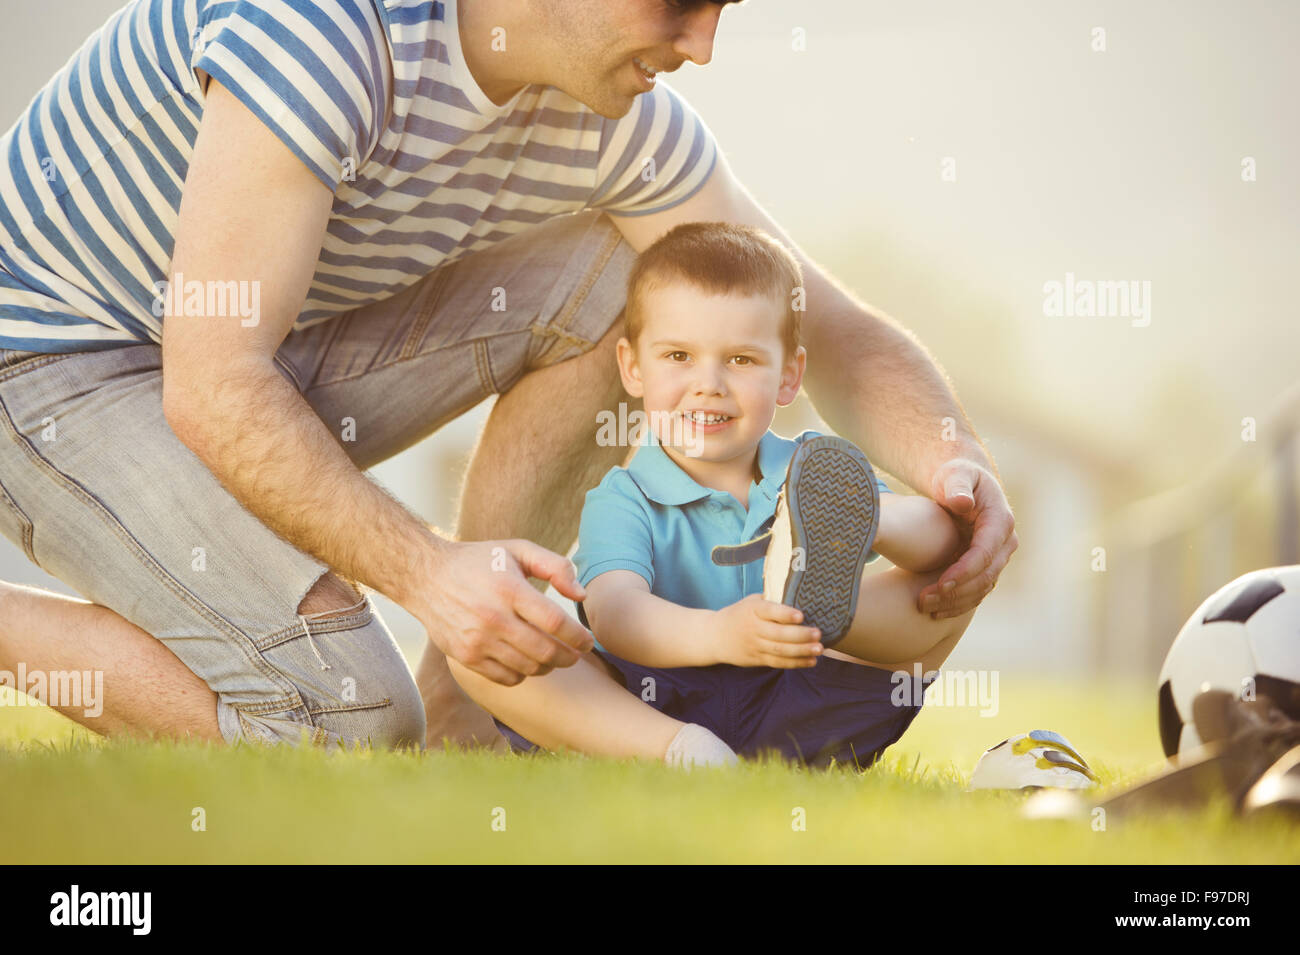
792,377
628,369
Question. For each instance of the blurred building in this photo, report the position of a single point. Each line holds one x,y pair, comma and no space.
1170,551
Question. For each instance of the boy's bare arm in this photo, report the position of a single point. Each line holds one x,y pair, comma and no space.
916,533
636,625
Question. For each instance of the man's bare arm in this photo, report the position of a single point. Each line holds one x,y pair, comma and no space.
873,382
252,212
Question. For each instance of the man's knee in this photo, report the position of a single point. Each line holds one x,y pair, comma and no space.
353,683
390,726
396,720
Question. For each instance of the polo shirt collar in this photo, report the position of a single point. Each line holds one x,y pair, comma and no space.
663,481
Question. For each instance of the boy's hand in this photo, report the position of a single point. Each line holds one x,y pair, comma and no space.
761,633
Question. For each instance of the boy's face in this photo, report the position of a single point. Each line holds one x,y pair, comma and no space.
710,353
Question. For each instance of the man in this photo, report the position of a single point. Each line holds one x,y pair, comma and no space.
248,250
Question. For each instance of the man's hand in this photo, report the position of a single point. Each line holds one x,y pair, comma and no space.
971,493
754,632
480,609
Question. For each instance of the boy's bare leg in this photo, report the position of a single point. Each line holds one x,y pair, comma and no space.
146,688
889,632
579,708
534,462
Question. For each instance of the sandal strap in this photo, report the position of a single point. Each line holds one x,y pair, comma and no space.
730,555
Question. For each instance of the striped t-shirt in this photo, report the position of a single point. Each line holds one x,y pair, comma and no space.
374,96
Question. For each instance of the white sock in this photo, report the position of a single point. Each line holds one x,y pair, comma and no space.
694,745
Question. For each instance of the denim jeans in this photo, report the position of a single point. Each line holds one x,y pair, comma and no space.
99,492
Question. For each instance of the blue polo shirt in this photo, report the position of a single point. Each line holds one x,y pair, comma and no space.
652,518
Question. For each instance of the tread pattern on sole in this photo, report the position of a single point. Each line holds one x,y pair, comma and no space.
834,513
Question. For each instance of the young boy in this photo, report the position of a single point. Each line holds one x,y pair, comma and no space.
693,661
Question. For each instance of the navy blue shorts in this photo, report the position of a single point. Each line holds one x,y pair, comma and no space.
836,710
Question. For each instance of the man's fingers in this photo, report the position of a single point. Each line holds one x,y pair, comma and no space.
959,491
509,655
960,579
987,544
987,528
517,644
494,671
550,619
974,572
537,561
538,649
960,601
967,595
962,597
977,559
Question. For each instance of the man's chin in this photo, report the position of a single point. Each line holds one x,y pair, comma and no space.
609,105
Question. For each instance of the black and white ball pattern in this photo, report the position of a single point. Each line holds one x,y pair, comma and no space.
1244,639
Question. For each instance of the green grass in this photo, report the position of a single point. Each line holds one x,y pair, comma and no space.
68,797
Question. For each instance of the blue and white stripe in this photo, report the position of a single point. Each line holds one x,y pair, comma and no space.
372,95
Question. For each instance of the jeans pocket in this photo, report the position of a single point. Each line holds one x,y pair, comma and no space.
550,346
14,362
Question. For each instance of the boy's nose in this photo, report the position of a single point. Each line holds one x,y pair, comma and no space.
710,381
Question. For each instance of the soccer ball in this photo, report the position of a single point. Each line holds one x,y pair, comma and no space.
1244,639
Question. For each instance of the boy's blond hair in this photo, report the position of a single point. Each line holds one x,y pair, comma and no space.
718,258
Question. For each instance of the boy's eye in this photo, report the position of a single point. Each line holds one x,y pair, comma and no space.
743,359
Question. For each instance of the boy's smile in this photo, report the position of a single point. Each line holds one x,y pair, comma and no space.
711,374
